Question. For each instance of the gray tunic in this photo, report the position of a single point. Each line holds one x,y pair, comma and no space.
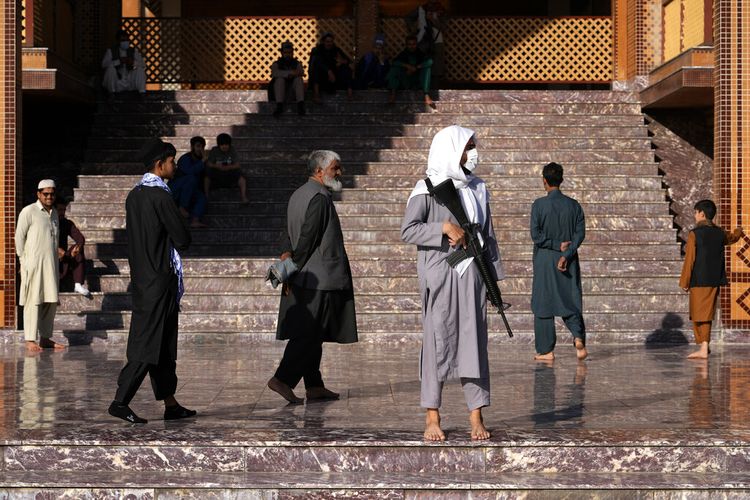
554,219
37,233
454,308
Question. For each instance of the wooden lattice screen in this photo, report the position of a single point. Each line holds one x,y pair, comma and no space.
227,49
487,49
521,49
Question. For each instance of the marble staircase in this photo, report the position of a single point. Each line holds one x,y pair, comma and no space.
630,258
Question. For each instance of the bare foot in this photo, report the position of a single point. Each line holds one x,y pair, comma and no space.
184,212
392,98
32,347
349,95
550,356
432,430
429,102
197,224
701,353
320,393
284,391
50,344
478,430
581,352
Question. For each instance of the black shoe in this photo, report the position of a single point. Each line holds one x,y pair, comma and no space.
124,412
279,109
301,108
177,412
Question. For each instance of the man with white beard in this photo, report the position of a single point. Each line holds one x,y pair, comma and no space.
317,300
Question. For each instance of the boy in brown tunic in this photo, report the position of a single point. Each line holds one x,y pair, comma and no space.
703,271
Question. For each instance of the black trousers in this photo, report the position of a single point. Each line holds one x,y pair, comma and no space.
163,378
301,360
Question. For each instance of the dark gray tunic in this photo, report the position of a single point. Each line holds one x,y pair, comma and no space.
554,219
321,298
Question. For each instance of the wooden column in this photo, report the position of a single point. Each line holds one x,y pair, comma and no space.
367,22
10,88
732,150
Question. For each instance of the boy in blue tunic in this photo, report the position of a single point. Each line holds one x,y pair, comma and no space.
557,229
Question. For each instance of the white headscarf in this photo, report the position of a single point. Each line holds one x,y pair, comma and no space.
444,162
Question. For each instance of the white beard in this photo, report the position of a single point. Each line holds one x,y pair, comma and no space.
333,184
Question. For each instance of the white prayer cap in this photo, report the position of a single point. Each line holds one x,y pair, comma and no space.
46,183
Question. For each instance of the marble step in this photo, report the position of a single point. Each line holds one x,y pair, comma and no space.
397,266
358,106
181,134
494,95
406,181
387,484
355,155
381,118
297,168
642,283
265,303
85,204
270,235
585,194
384,321
520,249
115,219
272,143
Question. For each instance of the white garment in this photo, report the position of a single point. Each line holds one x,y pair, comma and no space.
444,162
437,34
118,78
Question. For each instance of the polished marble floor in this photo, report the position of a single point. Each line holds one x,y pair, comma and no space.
637,389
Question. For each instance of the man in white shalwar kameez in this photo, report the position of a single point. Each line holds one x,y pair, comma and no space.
454,300
123,67
36,246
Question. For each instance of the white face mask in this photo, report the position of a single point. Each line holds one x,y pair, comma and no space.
472,160
124,45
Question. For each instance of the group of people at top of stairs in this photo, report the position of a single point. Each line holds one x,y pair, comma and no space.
419,66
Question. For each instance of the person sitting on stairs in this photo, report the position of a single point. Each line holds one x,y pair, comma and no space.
286,80
186,184
411,70
224,168
124,69
72,259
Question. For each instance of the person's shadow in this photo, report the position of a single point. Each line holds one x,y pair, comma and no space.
669,335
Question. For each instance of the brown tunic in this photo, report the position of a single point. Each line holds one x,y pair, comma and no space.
702,300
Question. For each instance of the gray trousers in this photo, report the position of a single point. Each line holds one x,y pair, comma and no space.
545,336
282,86
476,392
39,318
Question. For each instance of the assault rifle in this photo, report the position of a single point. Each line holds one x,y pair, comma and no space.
446,194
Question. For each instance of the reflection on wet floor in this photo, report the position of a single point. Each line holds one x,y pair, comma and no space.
618,387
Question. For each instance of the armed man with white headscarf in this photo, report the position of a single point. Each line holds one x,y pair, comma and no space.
454,300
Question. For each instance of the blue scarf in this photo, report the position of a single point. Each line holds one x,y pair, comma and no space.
151,180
